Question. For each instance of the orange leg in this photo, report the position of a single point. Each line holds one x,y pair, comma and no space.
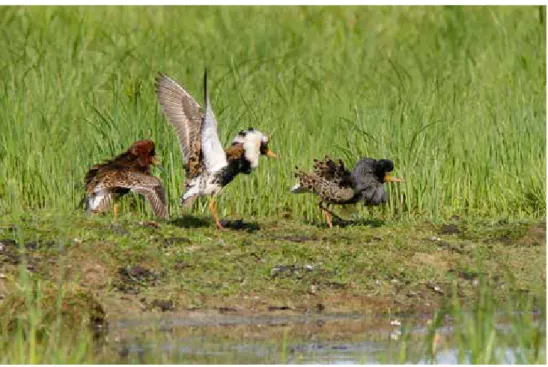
115,211
213,210
327,218
328,214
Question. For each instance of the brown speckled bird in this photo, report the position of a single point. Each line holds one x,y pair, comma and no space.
208,167
130,171
335,184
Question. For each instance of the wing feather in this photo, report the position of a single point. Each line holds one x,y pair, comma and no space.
333,171
330,180
213,153
143,184
181,110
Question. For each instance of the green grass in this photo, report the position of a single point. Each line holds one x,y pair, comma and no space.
454,95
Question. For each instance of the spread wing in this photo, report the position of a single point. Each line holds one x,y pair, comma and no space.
213,153
182,111
141,183
151,188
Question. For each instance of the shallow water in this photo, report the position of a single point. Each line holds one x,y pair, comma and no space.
310,338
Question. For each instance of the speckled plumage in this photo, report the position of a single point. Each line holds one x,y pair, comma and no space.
129,171
208,167
335,184
331,181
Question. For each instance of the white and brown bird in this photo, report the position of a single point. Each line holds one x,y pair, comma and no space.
335,184
208,167
130,171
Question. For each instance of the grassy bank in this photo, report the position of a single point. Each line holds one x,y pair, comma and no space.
379,266
454,95
98,271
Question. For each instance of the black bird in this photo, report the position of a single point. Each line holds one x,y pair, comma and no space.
335,184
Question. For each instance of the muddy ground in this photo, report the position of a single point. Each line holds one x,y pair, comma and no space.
139,268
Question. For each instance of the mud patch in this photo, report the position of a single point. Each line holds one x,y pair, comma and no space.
449,229
295,271
535,236
163,305
13,254
94,275
131,279
294,238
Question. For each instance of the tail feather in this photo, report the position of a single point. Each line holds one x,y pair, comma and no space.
191,193
298,189
187,202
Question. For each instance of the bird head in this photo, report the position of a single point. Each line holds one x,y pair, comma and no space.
255,143
144,152
383,167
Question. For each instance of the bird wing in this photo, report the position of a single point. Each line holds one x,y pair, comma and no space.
213,153
143,184
183,112
328,190
337,173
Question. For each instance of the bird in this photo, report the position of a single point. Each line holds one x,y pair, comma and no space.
335,184
129,171
208,167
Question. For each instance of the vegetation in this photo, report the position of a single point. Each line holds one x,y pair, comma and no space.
455,96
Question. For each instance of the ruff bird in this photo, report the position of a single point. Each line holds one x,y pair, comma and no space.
130,171
335,184
208,167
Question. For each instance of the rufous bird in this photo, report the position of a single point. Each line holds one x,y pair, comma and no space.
130,171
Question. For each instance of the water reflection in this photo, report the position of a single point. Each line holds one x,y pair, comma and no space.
317,338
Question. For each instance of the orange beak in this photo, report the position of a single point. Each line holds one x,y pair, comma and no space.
271,154
388,178
154,160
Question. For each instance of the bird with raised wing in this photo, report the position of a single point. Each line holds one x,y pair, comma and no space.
208,167
335,184
129,171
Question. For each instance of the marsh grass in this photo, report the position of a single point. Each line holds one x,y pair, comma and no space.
489,332
454,95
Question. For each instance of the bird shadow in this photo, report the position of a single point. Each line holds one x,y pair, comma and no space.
188,221
375,223
343,223
240,225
